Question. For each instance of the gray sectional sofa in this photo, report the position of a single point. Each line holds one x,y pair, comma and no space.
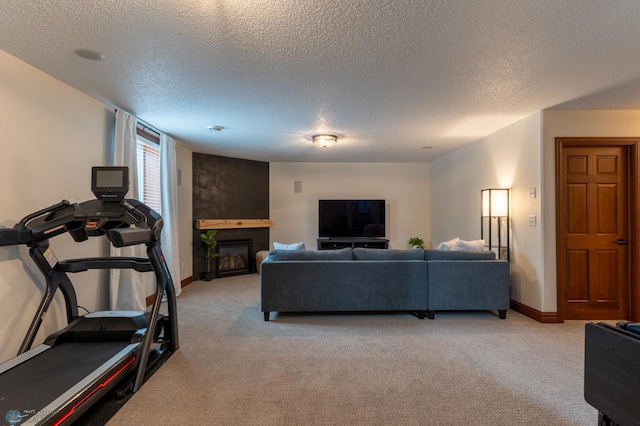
361,279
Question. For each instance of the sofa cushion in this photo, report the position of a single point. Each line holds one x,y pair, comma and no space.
446,245
292,246
458,255
310,255
360,253
461,245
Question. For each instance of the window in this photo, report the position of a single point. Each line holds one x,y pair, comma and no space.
148,168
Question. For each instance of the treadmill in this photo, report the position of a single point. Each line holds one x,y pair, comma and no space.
55,382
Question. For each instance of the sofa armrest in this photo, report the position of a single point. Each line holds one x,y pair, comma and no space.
469,285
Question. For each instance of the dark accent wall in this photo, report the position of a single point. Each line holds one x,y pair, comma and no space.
229,188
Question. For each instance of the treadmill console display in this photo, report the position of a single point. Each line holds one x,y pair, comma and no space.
110,183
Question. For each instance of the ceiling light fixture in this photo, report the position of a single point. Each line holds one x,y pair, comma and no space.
324,140
215,128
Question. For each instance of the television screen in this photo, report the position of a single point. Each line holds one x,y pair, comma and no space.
351,218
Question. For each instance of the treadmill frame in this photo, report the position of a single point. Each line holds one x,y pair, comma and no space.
128,222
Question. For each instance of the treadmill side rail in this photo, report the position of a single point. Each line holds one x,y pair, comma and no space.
8,365
61,410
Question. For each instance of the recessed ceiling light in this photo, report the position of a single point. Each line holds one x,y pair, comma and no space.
90,54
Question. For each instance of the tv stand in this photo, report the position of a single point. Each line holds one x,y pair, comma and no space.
338,243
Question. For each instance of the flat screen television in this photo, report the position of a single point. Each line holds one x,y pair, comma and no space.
351,218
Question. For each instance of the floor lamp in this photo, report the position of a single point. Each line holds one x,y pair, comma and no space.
494,217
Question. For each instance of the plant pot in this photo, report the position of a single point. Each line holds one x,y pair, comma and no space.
208,276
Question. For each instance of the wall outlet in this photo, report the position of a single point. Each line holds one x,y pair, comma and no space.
532,220
532,193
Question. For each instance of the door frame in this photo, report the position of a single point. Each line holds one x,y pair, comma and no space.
632,145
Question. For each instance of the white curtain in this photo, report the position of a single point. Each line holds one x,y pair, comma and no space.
169,200
128,288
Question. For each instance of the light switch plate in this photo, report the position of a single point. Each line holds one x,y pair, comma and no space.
532,220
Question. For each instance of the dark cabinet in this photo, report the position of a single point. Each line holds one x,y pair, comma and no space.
338,243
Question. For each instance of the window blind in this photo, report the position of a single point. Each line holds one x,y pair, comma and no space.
149,173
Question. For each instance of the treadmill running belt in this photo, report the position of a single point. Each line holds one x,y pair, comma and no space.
33,384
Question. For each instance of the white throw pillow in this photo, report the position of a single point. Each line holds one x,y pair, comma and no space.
446,245
292,246
461,245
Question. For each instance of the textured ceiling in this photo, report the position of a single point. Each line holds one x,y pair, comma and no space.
389,77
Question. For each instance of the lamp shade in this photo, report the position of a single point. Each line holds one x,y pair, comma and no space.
495,202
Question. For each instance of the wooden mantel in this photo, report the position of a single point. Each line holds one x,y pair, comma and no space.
232,223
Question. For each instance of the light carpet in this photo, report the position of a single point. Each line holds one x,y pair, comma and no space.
466,368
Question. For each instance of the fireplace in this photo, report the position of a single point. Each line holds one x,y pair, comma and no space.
235,258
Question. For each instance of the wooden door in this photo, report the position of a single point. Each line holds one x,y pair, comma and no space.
593,224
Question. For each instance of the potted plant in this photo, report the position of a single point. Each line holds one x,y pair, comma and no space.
208,238
416,242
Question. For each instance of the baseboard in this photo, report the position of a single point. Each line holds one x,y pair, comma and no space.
183,284
186,281
528,311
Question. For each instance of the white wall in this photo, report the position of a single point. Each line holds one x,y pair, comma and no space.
520,156
573,123
509,158
51,136
404,186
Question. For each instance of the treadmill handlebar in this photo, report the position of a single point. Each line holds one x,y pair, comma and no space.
140,264
124,237
139,223
49,210
15,236
21,233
